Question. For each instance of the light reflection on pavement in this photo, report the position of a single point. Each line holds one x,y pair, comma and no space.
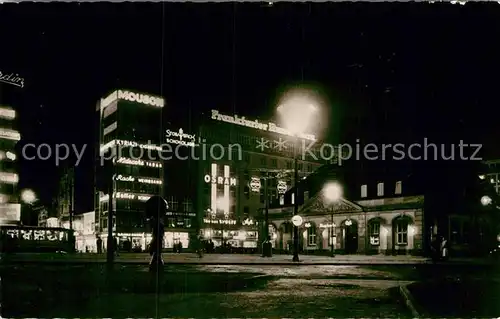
302,271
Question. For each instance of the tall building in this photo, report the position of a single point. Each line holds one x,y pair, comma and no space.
65,202
240,161
10,208
129,126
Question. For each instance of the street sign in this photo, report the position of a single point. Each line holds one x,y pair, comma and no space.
297,220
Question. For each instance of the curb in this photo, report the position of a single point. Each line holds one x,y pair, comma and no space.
409,301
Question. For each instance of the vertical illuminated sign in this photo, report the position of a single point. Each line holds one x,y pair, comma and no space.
226,191
213,195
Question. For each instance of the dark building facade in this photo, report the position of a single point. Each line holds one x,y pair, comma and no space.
242,160
130,135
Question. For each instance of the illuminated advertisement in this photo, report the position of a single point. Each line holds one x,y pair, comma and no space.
269,126
133,97
180,138
10,212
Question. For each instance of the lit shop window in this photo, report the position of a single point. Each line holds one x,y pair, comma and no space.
380,189
374,231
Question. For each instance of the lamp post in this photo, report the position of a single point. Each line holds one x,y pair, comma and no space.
29,198
332,192
223,204
297,113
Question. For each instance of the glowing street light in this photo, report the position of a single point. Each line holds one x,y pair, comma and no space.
28,196
486,200
297,110
332,193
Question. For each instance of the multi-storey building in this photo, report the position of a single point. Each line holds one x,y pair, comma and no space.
238,157
65,202
10,209
130,134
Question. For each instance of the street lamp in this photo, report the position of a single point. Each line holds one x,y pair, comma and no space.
28,196
332,193
486,200
297,112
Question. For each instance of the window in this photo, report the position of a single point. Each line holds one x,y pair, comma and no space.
274,162
399,188
401,232
374,231
364,191
311,236
288,165
246,210
301,166
309,168
331,233
246,191
263,161
380,189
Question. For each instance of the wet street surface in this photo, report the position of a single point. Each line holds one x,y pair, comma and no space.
279,298
89,290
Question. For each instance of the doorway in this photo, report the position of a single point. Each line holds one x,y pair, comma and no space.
350,235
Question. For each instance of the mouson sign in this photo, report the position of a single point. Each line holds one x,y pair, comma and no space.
133,97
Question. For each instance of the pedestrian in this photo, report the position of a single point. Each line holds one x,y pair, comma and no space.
115,246
199,246
99,245
444,249
435,248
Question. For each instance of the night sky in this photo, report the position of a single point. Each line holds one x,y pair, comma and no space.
390,72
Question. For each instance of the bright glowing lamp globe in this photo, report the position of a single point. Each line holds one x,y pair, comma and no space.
485,200
332,192
28,196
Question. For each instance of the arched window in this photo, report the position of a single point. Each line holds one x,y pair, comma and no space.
311,235
374,232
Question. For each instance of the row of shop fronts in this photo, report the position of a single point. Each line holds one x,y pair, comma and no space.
381,226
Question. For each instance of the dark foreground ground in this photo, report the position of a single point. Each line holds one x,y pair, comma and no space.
456,298
202,291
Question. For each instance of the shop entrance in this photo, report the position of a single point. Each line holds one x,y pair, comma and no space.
350,236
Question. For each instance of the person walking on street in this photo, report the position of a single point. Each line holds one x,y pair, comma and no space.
199,246
115,247
99,245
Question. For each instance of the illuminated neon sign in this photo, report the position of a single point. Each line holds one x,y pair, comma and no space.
255,184
282,187
144,180
122,143
10,134
231,181
9,178
133,97
7,113
248,222
138,162
243,121
219,221
129,196
180,138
